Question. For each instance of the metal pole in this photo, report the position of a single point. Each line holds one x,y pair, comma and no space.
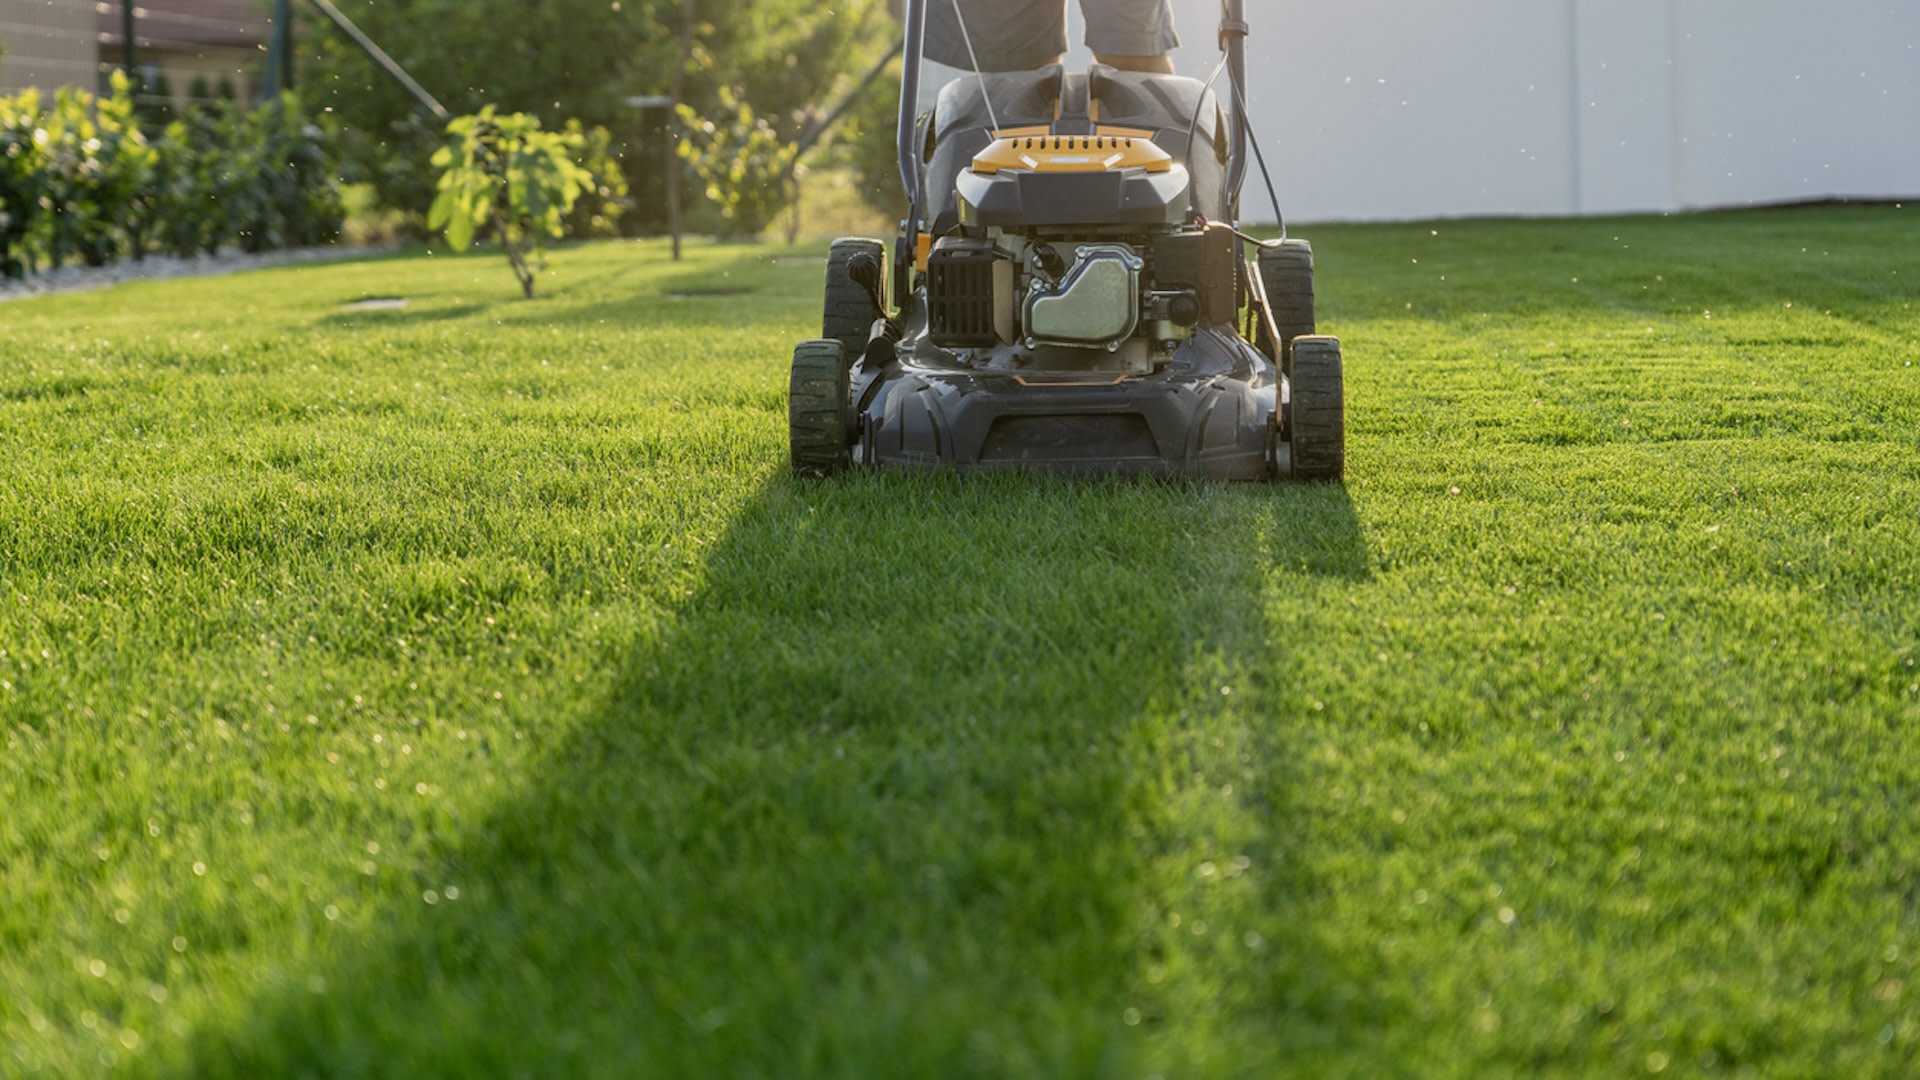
277,58
825,124
909,102
129,57
380,57
283,22
673,125
1233,41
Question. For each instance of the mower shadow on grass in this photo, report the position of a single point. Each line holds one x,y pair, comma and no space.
933,776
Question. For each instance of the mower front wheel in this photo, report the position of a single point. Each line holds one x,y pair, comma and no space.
817,396
1318,410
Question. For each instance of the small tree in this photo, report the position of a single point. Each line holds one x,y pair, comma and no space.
504,174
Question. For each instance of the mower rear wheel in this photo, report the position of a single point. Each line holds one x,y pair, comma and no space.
849,311
817,396
1287,273
1317,424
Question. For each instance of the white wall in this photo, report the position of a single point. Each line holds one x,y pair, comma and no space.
1396,109
1783,101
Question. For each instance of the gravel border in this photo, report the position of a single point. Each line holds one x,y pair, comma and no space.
157,267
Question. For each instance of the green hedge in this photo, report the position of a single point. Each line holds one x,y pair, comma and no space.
80,180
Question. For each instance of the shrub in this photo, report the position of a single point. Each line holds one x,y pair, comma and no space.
505,175
82,180
71,221
605,199
94,166
745,165
866,142
193,173
123,190
22,181
285,194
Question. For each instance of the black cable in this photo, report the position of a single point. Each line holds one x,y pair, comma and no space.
1193,126
1240,102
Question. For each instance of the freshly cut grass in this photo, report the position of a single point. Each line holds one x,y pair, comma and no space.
465,689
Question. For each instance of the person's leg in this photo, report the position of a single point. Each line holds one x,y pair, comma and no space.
1133,35
1007,35
1157,64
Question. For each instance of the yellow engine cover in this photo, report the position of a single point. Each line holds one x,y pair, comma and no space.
1072,153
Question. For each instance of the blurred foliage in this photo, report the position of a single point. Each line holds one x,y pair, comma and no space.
284,193
155,104
95,161
744,166
192,167
865,144
605,198
22,176
504,175
80,180
580,59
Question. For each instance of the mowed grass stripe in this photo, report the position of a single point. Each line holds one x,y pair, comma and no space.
466,688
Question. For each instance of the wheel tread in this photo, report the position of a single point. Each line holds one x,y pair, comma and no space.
1287,272
1318,409
817,396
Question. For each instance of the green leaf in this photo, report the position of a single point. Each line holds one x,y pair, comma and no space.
460,232
442,210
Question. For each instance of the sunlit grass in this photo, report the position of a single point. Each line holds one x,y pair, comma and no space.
465,689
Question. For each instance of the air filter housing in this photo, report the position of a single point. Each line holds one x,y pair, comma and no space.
969,294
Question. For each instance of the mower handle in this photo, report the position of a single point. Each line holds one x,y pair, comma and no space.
1233,42
916,44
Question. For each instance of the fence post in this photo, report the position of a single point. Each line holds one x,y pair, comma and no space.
129,57
279,52
674,166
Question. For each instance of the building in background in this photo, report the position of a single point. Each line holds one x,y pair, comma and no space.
212,46
48,43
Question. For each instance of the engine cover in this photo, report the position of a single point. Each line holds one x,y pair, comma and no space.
1095,305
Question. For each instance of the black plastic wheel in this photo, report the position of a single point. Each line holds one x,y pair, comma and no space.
1317,424
817,396
849,311
1287,272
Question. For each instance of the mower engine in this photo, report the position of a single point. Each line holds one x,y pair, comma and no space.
1077,252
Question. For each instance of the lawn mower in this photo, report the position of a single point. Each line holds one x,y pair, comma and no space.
1070,291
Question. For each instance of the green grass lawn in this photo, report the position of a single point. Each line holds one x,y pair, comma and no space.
467,690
